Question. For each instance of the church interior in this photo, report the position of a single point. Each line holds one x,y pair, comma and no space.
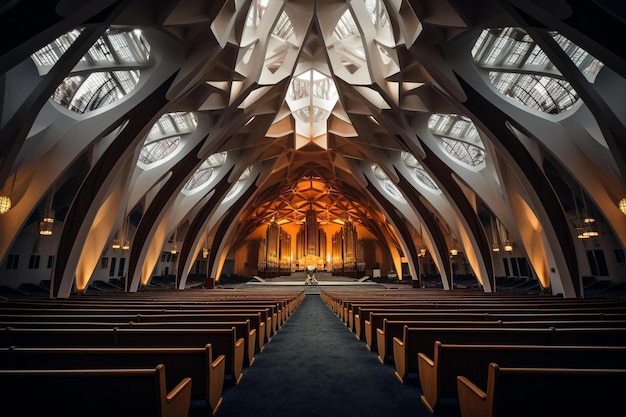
342,152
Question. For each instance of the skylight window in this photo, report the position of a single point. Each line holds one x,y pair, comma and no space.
460,139
543,93
388,185
418,170
464,152
84,94
86,91
312,96
533,81
236,188
50,54
204,173
346,27
164,136
157,150
120,46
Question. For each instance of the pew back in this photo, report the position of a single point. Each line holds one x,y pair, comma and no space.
206,373
438,374
78,393
543,392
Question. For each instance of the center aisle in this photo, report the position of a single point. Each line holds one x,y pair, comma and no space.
314,366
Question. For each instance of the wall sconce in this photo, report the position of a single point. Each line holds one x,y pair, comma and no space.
47,223
581,233
495,232
621,205
121,241
125,227
5,203
586,222
454,250
174,247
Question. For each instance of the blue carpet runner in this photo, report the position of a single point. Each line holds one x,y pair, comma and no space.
314,367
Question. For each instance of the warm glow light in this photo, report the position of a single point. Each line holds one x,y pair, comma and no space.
454,252
46,225
589,220
581,233
495,248
205,253
508,246
621,205
115,244
126,245
5,204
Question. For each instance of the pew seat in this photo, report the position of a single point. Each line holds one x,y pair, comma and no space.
206,372
438,373
223,341
543,392
422,339
79,393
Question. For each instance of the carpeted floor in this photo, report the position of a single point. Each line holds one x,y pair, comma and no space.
315,367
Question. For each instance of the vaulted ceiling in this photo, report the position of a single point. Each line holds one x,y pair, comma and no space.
428,122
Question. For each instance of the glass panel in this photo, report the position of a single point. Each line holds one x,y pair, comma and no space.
464,152
513,48
460,137
82,95
547,94
50,54
283,28
346,27
155,151
418,170
122,46
203,174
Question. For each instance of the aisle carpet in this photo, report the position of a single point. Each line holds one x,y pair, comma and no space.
314,367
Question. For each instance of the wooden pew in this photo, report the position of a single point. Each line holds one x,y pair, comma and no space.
422,339
393,323
94,393
538,304
259,320
223,341
375,315
280,305
415,340
395,329
206,373
438,374
543,392
377,318
242,328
